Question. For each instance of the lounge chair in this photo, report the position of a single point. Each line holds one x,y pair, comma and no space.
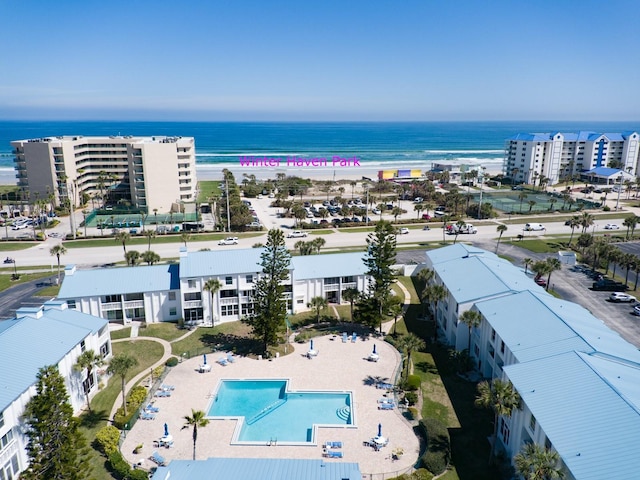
354,337
230,357
386,406
344,337
384,386
333,445
332,454
222,361
147,416
157,458
151,409
163,393
167,387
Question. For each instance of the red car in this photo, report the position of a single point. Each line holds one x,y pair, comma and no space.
540,281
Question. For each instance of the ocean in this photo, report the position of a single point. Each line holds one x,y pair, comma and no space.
376,146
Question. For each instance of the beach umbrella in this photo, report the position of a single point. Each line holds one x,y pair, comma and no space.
374,349
166,430
311,347
379,429
205,358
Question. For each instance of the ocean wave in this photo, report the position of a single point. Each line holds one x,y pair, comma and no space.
462,152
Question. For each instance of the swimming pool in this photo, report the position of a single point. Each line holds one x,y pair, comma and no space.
268,412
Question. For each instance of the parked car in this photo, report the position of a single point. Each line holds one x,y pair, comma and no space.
533,227
426,216
622,297
296,234
229,241
376,211
611,226
540,281
403,231
636,310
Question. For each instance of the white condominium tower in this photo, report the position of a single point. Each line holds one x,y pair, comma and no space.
149,173
557,156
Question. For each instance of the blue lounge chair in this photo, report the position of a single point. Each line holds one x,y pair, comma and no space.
163,393
167,387
354,337
157,458
222,361
344,337
386,406
333,454
384,386
230,357
147,416
151,409
333,445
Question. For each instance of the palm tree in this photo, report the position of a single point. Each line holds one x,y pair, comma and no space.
150,257
212,286
553,265
532,203
459,226
396,212
120,366
185,237
87,360
149,234
500,229
395,310
132,257
433,294
502,398
198,419
419,207
353,186
317,243
574,222
521,197
317,304
527,262
629,262
351,295
407,344
306,248
630,222
552,202
57,251
472,319
540,268
586,220
123,237
534,462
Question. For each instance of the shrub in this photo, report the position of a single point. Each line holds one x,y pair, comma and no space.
438,453
108,438
413,383
606,208
411,397
118,465
138,475
137,396
171,362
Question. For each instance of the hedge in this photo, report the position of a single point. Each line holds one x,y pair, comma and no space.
438,454
171,362
413,382
136,397
107,439
121,469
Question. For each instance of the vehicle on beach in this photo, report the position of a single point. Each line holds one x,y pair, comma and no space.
229,241
296,234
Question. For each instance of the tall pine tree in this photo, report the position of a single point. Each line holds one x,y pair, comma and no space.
57,449
270,308
380,256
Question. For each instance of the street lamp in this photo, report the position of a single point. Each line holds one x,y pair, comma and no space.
619,190
481,177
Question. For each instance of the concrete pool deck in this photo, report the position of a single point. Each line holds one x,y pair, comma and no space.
338,366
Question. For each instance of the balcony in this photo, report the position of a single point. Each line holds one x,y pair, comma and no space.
192,304
134,304
229,301
349,285
111,306
334,287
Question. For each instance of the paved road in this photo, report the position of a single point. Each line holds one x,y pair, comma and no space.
21,295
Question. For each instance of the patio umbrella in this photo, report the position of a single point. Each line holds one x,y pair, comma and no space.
166,430
379,430
374,349
205,358
311,347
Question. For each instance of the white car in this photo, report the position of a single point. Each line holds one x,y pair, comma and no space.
229,241
611,226
376,211
296,234
403,231
622,297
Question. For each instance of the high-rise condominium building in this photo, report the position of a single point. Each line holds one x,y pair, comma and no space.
149,173
529,156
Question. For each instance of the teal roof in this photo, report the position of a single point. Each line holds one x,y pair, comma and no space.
592,425
90,283
258,469
457,250
28,343
328,265
220,262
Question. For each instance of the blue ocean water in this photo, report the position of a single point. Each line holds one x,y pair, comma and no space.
376,145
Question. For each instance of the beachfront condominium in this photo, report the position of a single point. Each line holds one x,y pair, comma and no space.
147,173
554,157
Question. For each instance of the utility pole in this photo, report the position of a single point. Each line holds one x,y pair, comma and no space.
619,190
226,184
480,201
366,206
71,209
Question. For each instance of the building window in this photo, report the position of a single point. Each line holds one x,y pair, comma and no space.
71,304
193,296
104,349
332,281
173,311
247,308
228,293
493,335
191,283
532,424
300,301
228,281
547,443
504,431
249,278
1,419
172,296
348,280
83,346
501,346
6,439
111,298
228,310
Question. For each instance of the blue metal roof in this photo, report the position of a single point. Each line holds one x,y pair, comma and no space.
220,262
581,136
594,428
605,171
258,469
457,250
28,343
89,283
328,265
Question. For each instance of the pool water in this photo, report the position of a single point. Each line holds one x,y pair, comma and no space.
271,413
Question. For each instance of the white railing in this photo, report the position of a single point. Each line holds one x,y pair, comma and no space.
111,306
349,285
134,304
192,304
229,301
332,288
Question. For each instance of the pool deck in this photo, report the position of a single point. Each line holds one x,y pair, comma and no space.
338,366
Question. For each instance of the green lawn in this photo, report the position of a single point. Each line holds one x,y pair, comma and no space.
166,331
139,240
538,245
121,333
208,189
322,231
228,336
14,246
6,282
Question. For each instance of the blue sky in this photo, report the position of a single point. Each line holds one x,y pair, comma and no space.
312,60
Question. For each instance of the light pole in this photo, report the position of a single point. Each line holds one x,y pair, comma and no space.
619,190
481,176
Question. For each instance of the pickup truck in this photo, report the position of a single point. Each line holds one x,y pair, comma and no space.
229,241
468,228
296,234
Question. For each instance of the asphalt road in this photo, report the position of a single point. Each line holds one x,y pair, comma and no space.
21,295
